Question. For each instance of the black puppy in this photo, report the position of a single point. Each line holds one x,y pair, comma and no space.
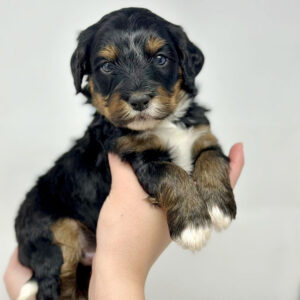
141,74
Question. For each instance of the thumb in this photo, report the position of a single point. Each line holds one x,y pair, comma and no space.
123,177
117,167
237,161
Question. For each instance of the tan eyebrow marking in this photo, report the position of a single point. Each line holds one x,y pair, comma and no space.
154,44
110,52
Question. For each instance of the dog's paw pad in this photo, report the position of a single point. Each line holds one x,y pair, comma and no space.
218,218
193,238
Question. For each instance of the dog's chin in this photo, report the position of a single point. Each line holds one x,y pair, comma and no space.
142,123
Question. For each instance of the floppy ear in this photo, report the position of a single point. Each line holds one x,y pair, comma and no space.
191,58
80,59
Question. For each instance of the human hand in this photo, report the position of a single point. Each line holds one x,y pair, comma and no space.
17,275
237,161
132,233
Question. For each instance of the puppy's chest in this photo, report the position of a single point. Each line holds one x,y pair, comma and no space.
179,141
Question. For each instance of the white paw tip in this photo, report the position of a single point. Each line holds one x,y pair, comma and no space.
28,290
218,218
193,238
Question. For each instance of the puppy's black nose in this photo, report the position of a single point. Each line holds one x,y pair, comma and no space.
139,102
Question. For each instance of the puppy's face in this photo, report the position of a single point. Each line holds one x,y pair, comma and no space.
137,66
135,80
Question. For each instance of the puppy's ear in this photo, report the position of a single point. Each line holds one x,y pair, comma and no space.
191,58
80,65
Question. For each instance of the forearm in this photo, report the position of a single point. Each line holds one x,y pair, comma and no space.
113,280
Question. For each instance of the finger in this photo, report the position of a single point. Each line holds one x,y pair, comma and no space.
16,276
119,170
114,163
237,160
123,177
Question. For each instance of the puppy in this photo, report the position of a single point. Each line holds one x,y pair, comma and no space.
140,72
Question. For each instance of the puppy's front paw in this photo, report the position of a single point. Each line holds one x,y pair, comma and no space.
221,206
188,218
194,238
219,218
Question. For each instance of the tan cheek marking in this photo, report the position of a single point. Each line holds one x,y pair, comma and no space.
119,111
171,100
154,44
99,101
109,52
91,86
116,110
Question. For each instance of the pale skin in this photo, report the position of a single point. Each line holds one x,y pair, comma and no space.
131,235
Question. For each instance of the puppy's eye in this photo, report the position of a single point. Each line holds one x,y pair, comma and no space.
160,60
107,67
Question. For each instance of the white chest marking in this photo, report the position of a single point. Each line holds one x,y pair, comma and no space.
179,142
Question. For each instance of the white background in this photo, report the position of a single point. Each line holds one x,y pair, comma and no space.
251,81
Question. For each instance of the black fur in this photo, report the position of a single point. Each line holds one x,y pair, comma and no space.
79,182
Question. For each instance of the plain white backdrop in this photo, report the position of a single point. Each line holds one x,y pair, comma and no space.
250,80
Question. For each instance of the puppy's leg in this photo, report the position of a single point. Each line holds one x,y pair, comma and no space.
52,251
211,173
37,252
74,239
46,260
174,190
66,233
